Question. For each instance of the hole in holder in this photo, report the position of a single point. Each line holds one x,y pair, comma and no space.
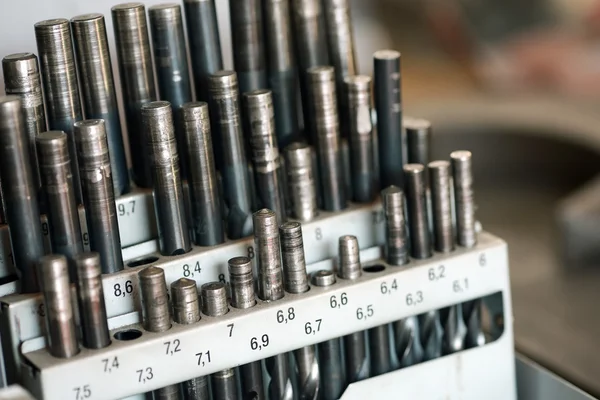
127,335
374,268
142,261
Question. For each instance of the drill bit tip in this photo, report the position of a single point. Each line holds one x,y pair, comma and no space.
186,304
195,110
156,107
461,155
414,169
152,273
222,80
349,253
240,266
323,277
87,265
241,280
321,73
214,299
265,223
396,236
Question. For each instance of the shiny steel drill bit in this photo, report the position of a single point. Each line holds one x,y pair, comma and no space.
379,350
360,132
302,190
98,90
230,154
396,240
170,392
202,176
53,272
22,79
59,78
157,125
186,311
407,340
258,107
388,104
137,80
441,205
241,281
2,208
19,193
464,202
309,383
454,327
57,185
90,296
430,334
98,196
418,140
282,73
355,345
472,316
416,202
248,44
205,45
326,128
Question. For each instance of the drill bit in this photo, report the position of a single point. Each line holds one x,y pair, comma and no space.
59,79
379,350
418,140
171,65
137,80
98,90
90,296
57,185
388,104
22,79
358,113
308,373
186,311
241,281
2,208
53,272
326,128
441,204
98,196
205,45
259,111
472,316
302,190
157,124
396,240
19,193
202,176
282,73
416,201
355,346
230,154
330,351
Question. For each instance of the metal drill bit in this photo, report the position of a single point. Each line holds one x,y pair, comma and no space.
98,196
248,44
268,255
282,73
224,385
137,80
302,190
186,311
388,104
379,350
430,334
330,351
441,204
205,45
416,201
53,275
407,340
98,90
396,240
57,184
309,382
90,296
464,202
258,106
157,124
57,65
22,79
202,176
355,345
170,392
230,154
358,91
418,140
326,128
19,193
472,316
241,281
155,300
454,327
2,209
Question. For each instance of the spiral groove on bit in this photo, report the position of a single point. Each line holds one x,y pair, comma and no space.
464,201
308,373
301,181
268,255
472,316
431,335
455,330
396,237
407,339
441,203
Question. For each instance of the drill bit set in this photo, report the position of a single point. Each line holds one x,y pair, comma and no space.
294,241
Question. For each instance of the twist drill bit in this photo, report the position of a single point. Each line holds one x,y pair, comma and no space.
242,296
388,104
229,152
53,272
360,132
418,140
326,128
265,153
282,73
98,195
396,240
355,346
157,123
441,204
57,184
2,210
186,311
171,65
90,296
416,201
19,193
22,79
308,373
471,311
98,90
59,78
248,44
202,176
137,80
302,190
454,327
330,351
205,44
214,304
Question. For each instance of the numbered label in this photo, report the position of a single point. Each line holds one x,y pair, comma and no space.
338,301
145,374
110,364
314,327
123,290
414,299
191,270
460,285
259,343
388,288
283,317
82,392
172,347
364,313
437,273
126,209
204,358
